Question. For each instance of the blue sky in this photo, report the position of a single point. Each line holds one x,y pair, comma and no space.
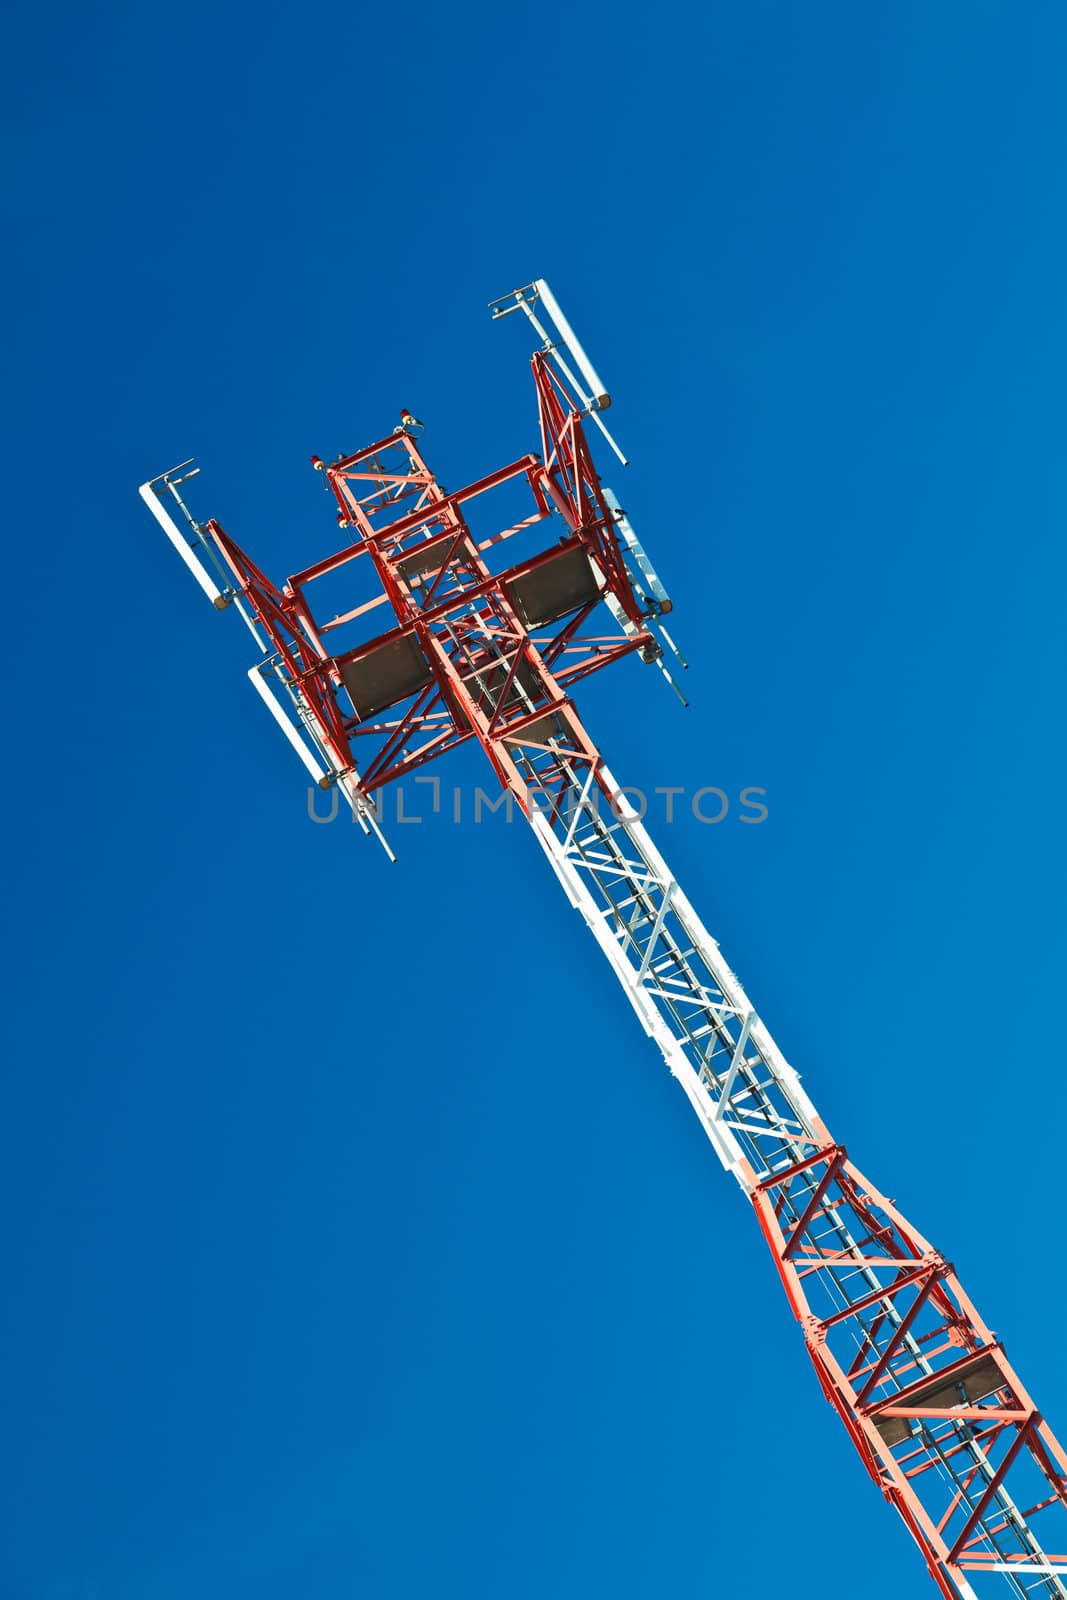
357,1244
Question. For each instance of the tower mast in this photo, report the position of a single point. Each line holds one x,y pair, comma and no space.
933,1407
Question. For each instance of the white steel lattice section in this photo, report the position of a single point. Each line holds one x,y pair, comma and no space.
748,1098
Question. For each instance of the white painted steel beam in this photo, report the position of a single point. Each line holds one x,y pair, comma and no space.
258,679
203,577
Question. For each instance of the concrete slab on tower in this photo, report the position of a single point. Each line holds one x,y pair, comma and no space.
554,587
385,674
425,558
966,1386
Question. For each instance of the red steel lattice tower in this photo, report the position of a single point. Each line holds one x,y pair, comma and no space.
939,1417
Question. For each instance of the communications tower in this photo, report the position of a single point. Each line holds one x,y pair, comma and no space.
480,650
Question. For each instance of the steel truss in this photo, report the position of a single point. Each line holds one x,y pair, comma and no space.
939,1417
942,1422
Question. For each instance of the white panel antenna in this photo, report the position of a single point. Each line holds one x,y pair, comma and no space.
560,343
